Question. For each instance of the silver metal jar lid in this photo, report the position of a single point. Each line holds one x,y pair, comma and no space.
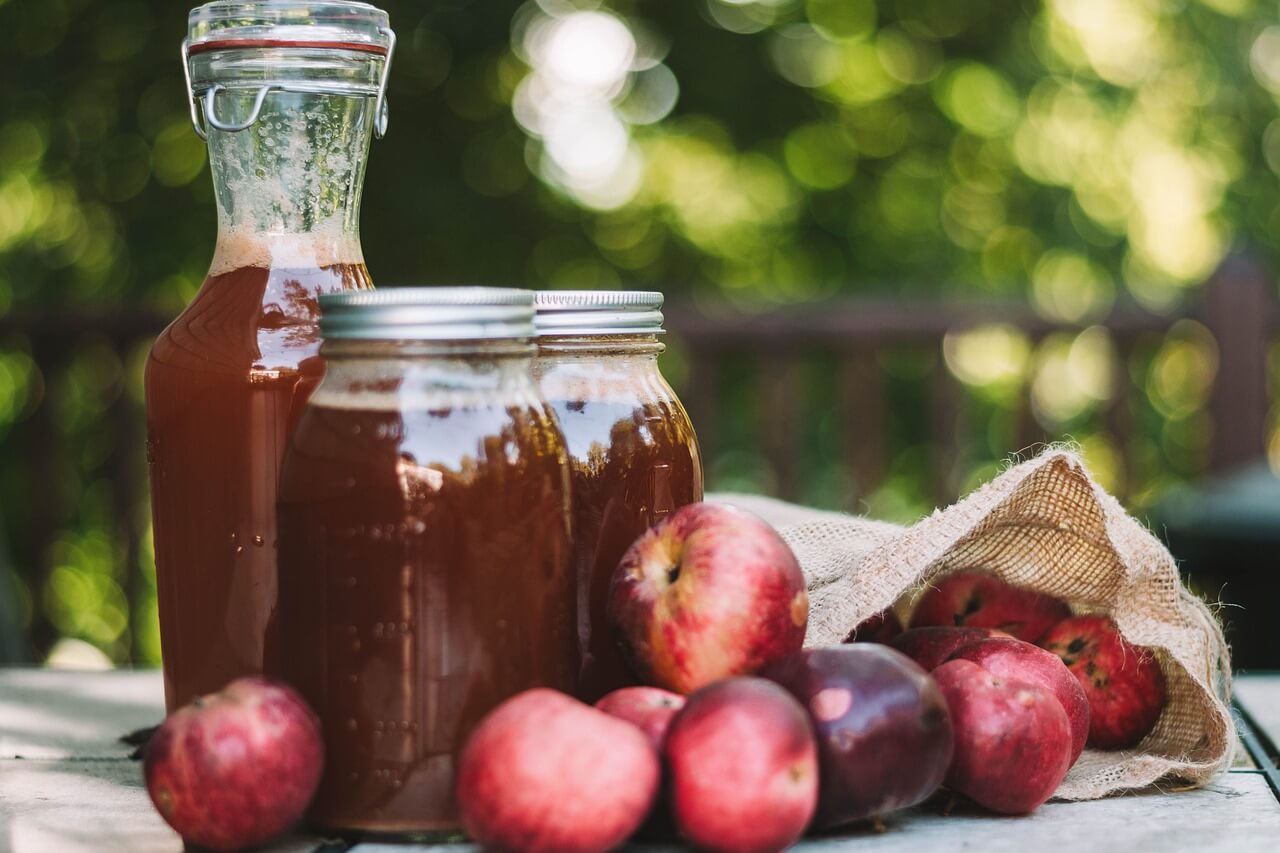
428,314
598,312
275,25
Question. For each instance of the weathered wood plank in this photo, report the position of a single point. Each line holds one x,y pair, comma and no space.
56,714
1236,813
81,794
1259,695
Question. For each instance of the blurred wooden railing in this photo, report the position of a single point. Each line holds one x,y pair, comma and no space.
1238,306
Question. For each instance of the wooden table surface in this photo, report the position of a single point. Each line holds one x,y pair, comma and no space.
67,784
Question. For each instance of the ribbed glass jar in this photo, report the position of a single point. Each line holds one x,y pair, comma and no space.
425,565
632,449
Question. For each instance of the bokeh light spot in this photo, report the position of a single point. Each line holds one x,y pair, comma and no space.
842,19
1182,372
803,57
820,156
979,99
179,155
989,357
1068,287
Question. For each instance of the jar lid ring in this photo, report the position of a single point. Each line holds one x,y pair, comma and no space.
427,314
570,313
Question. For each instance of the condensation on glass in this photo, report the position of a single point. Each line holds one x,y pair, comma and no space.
425,563
287,96
632,449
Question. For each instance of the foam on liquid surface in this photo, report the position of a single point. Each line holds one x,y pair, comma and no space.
326,246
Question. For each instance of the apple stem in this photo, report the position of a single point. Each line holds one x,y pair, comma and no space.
951,804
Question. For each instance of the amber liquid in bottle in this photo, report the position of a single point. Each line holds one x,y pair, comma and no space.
225,383
633,464
426,577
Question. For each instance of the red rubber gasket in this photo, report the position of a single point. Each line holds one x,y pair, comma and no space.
233,44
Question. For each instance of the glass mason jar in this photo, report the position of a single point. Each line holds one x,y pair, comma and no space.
632,449
287,95
425,564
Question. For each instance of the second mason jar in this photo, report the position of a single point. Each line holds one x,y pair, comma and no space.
632,448
425,571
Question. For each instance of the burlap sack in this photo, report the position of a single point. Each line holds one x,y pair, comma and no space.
1044,524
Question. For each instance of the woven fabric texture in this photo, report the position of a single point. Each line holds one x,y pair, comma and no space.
1044,524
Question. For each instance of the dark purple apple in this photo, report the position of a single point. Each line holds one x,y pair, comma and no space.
884,734
933,644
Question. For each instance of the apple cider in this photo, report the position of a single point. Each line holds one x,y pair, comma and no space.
225,384
287,95
632,449
425,564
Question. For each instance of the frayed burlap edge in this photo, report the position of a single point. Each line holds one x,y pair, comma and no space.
1045,524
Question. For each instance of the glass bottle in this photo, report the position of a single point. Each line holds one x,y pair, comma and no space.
287,96
632,449
425,564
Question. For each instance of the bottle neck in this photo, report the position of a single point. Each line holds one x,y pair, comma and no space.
288,187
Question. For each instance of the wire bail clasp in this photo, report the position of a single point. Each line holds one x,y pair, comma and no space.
210,93
382,114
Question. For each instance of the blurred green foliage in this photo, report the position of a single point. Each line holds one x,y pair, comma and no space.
1072,152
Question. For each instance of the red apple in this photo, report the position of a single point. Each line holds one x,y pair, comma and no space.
710,592
743,767
884,735
932,645
1123,682
979,600
1013,740
545,772
649,708
880,628
236,768
1013,659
